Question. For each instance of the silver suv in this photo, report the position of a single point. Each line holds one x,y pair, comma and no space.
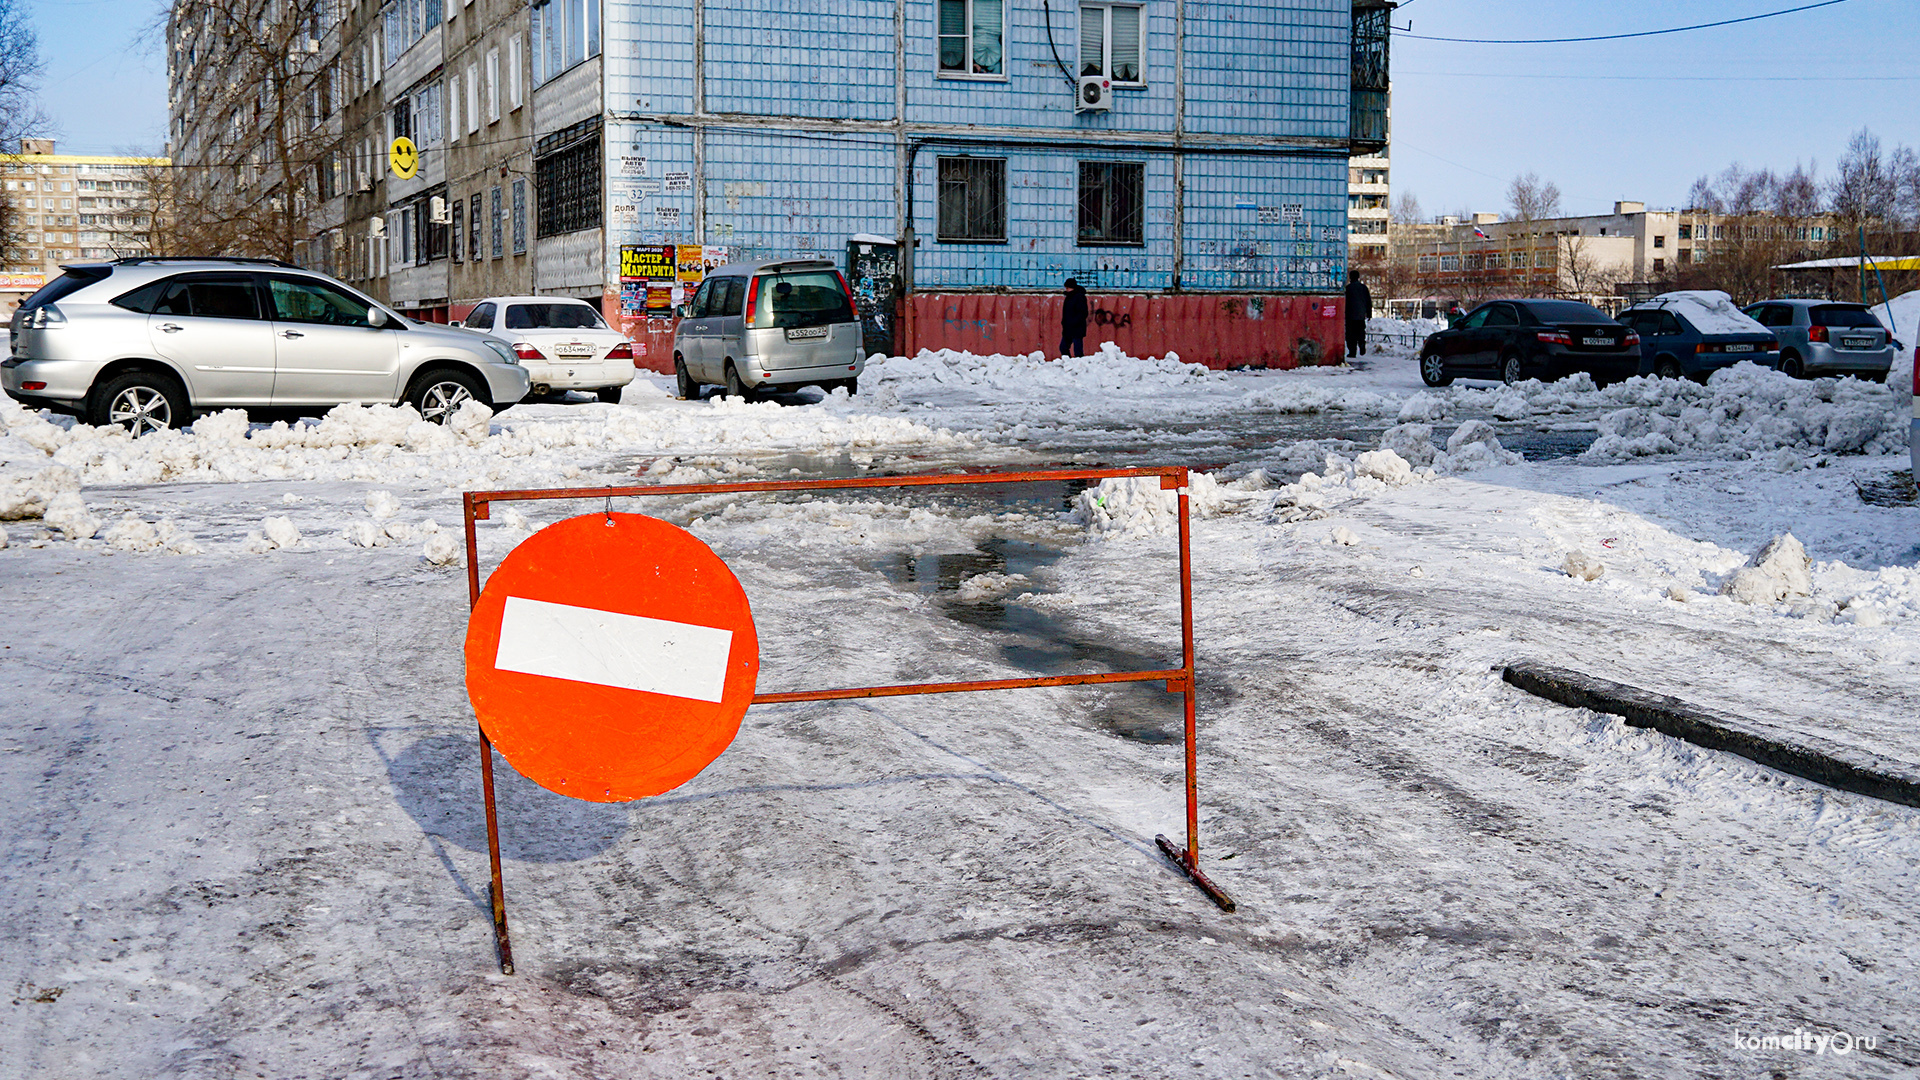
146,343
769,325
1826,337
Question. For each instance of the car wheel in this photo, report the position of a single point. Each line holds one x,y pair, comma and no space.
143,402
439,393
1433,370
735,388
1791,366
683,380
1667,368
609,394
1511,370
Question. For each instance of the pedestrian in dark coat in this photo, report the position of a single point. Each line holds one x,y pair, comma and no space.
1073,321
1359,307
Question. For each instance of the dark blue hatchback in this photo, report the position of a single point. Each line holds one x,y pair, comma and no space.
1681,339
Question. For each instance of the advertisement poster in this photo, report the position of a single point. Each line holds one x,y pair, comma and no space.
692,266
647,271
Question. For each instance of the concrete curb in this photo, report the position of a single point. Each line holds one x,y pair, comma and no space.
1809,758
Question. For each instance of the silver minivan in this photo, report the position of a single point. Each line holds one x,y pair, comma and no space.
1827,337
767,326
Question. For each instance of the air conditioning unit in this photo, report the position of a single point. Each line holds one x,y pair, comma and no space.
377,228
366,182
1096,94
437,211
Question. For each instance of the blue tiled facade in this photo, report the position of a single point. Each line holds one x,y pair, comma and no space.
793,122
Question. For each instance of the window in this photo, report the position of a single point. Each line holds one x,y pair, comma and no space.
305,301
972,200
566,181
473,229
1659,266
482,315
493,85
519,217
407,21
459,225
1449,262
498,244
473,98
1686,256
1111,197
970,37
453,105
1660,241
513,72
1110,43
565,32
1686,232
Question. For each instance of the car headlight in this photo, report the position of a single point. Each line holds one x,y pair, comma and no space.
505,354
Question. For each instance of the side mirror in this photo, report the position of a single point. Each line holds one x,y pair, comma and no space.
456,322
684,311
377,318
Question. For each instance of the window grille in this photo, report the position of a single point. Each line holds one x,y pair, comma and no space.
1111,197
973,200
473,229
459,230
519,217
566,186
498,238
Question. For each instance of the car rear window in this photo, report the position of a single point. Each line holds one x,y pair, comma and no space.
75,279
1566,311
553,317
801,298
1843,315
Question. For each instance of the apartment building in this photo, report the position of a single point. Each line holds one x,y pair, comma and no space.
63,208
968,155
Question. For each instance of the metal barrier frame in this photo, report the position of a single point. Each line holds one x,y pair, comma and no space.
478,507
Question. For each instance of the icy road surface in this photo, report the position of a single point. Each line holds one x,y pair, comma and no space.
244,837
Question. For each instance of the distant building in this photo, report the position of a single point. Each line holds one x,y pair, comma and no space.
63,208
958,158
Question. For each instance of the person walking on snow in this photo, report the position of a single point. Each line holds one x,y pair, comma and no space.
1073,321
1359,306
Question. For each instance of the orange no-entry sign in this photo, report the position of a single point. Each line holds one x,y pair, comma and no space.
611,657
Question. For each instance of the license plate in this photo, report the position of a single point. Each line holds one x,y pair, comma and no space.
1596,341
804,333
1857,342
1740,348
575,349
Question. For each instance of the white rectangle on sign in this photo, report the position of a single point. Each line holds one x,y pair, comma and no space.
633,652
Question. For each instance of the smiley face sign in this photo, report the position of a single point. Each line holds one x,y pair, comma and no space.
404,157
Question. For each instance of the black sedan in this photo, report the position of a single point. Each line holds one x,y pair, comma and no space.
1513,340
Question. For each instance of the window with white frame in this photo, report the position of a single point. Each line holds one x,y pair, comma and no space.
971,36
493,85
513,72
473,98
565,33
407,21
453,106
1111,43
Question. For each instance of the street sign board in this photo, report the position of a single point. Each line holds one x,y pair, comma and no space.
404,157
611,657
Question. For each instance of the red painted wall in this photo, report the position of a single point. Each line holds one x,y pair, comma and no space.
1217,330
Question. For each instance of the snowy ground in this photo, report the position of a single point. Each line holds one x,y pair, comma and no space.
245,837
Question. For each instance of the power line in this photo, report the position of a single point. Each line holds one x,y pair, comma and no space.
1618,37
1669,78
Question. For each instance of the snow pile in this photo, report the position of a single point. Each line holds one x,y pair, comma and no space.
990,586
132,534
390,444
382,505
1780,569
1582,566
1317,495
1746,410
1400,337
27,496
441,548
1132,507
68,513
1901,315
1709,310
1474,445
1300,397
1032,376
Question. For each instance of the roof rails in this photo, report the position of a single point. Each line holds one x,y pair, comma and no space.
137,260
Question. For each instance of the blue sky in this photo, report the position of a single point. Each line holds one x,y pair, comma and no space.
1637,119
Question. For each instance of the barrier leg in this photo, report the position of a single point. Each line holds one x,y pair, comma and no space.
498,892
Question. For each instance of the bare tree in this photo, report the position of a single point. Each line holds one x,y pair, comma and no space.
252,165
1529,200
1583,273
20,114
1406,209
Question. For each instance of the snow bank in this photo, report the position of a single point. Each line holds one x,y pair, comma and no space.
1709,310
1747,410
1400,337
1902,316
1779,570
1108,371
1133,507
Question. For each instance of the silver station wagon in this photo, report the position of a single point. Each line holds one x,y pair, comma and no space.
762,326
146,343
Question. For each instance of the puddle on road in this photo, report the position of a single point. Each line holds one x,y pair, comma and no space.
1038,641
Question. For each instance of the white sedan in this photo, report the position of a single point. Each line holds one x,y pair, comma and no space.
564,344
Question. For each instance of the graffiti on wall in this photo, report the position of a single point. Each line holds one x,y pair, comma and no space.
873,272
